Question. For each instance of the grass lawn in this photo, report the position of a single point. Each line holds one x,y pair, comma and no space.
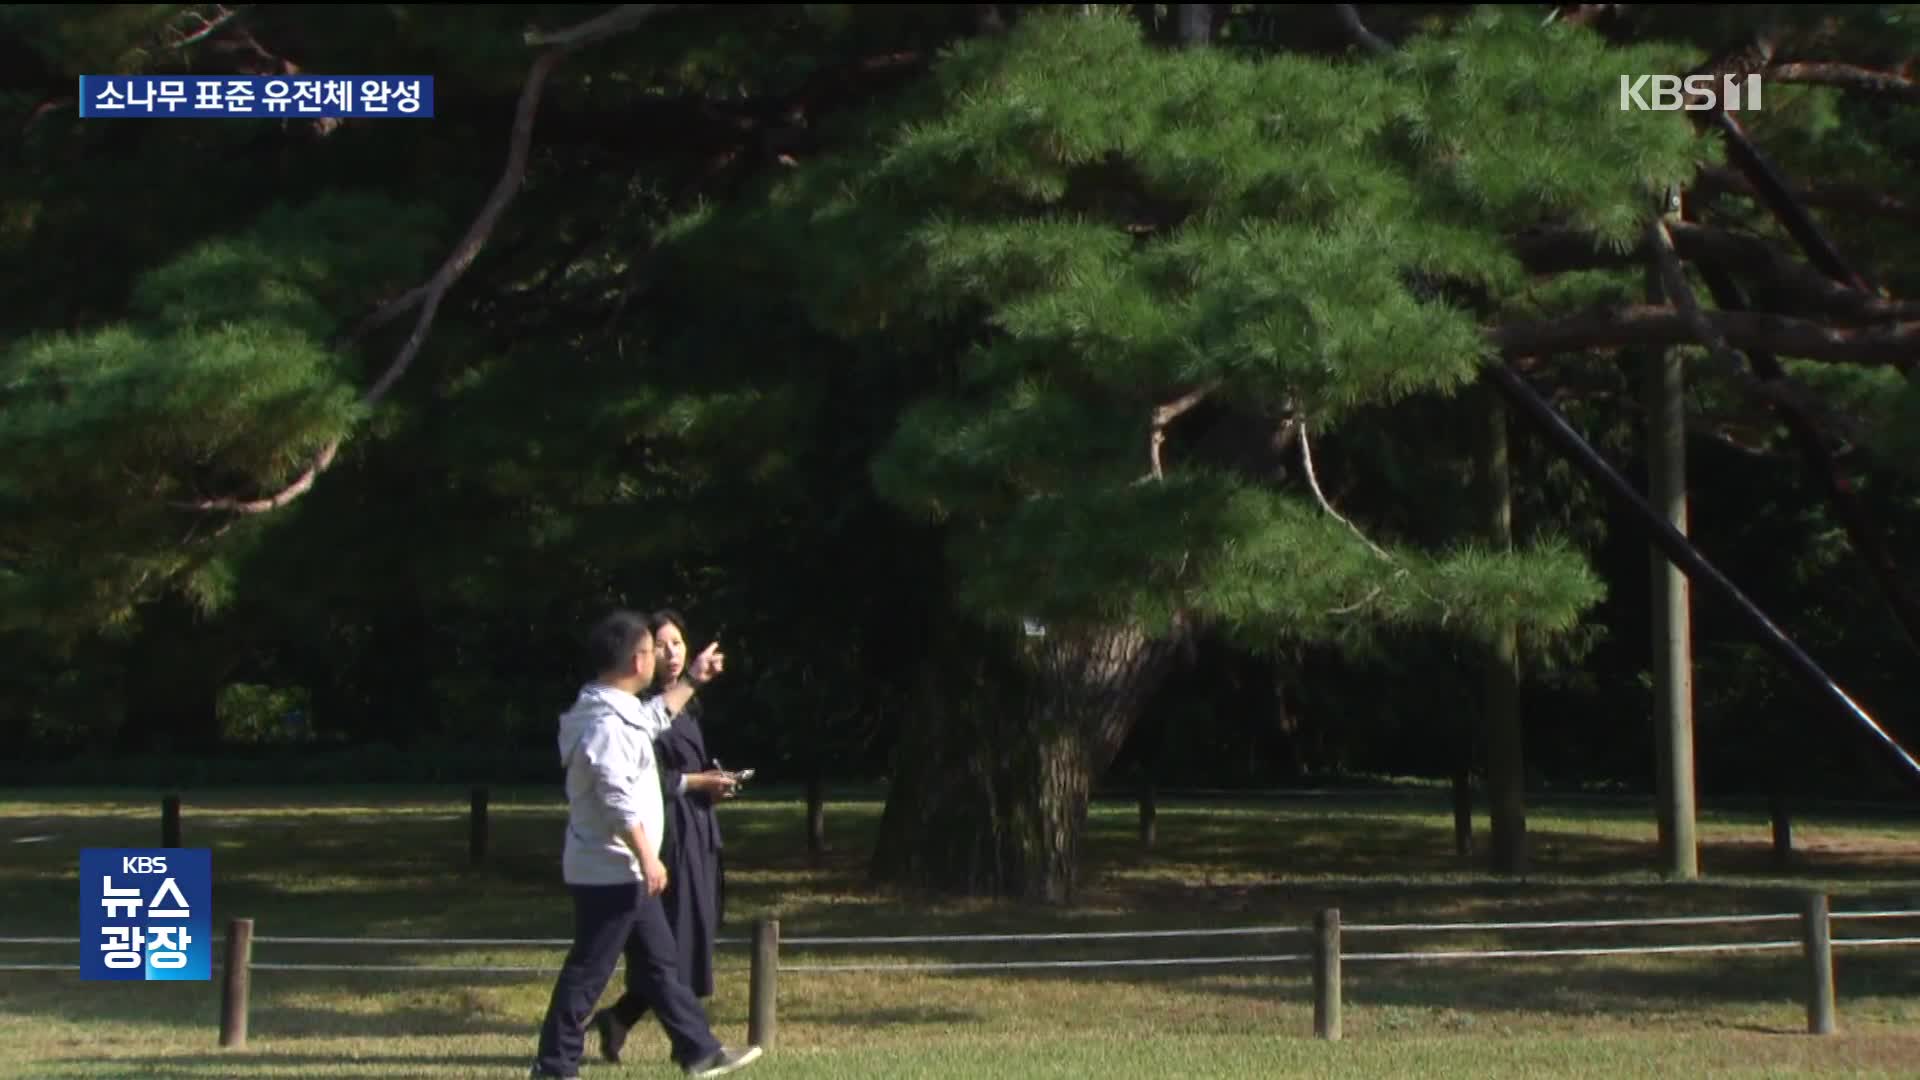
392,863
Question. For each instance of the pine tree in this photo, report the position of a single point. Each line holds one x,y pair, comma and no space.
1145,268
1151,250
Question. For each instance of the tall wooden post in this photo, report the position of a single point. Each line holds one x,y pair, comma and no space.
1817,937
1665,392
1326,974
236,984
761,982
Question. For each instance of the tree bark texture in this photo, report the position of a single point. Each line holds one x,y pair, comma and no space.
992,779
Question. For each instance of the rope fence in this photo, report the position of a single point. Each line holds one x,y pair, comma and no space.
1325,954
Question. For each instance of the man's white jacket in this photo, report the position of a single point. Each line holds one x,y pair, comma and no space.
613,782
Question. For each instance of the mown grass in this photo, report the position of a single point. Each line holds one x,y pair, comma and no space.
393,862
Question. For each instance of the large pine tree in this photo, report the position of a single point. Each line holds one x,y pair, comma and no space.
1172,270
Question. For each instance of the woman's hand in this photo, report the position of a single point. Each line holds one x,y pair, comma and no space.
712,782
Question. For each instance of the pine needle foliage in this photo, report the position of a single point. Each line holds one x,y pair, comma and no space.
1102,225
222,380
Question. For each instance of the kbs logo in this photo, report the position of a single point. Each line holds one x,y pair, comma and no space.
146,914
1695,93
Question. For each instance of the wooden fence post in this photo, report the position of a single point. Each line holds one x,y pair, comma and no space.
477,827
1817,934
1326,974
760,991
170,821
233,993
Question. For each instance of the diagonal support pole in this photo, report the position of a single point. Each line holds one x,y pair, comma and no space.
1687,557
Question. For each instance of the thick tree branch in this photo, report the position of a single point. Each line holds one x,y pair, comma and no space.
1846,77
45,107
1646,325
1854,198
1178,407
1679,292
1773,192
1582,14
1167,414
1555,250
429,295
207,28
619,20
1349,17
1821,462
1779,391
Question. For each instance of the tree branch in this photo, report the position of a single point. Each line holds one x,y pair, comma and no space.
1869,542
1173,410
208,27
1846,77
1549,251
1772,191
1399,572
1313,481
45,107
1167,414
429,295
1647,325
618,21
1778,390
1582,14
1857,198
1349,17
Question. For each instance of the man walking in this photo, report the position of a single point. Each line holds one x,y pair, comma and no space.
611,864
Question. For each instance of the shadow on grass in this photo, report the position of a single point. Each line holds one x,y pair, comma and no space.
350,868
244,1063
294,1022
891,1017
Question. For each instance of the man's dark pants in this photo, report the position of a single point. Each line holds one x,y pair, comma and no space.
605,917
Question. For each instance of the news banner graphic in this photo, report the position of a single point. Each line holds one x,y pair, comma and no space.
189,97
146,914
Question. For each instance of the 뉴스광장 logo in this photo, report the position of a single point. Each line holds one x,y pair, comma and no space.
146,914
1695,93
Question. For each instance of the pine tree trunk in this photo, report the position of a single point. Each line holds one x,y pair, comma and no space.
991,783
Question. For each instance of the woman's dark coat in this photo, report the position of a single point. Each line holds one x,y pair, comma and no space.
695,891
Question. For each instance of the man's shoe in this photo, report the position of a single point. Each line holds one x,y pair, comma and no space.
724,1061
540,1074
613,1034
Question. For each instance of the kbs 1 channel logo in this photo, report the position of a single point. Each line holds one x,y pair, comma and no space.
146,914
1694,93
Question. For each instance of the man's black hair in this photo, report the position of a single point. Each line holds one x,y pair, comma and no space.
614,640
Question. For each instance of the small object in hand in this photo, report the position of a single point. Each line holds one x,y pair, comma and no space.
742,776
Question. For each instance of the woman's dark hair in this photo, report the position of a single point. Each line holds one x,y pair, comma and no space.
666,617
